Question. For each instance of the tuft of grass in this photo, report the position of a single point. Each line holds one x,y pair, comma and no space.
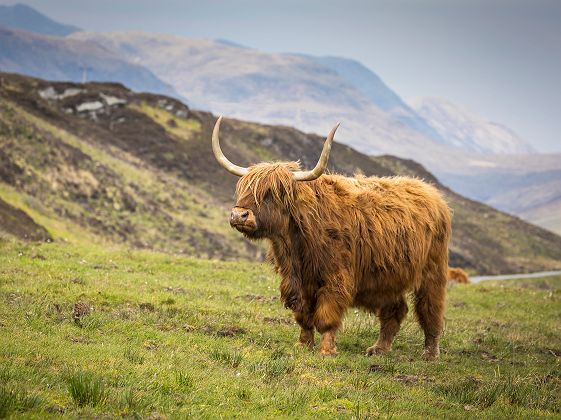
229,358
273,368
183,380
130,400
14,400
244,394
86,389
133,356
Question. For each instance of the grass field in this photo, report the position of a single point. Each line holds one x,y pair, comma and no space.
91,332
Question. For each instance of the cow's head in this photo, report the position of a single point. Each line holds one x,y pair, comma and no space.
266,192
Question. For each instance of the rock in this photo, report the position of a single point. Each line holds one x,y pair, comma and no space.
90,106
113,100
48,93
70,92
51,94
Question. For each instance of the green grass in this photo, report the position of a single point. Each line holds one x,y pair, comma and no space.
173,336
181,128
86,389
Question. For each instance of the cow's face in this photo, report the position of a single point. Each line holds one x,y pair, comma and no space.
264,197
266,191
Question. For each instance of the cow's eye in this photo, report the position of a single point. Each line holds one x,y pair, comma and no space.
268,196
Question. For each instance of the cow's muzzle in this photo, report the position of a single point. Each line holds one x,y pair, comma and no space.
243,220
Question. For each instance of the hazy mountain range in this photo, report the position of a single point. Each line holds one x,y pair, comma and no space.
24,17
311,93
466,130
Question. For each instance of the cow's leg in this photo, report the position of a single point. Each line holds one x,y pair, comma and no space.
328,316
305,319
429,307
391,316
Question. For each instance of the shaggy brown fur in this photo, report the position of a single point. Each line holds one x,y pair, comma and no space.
457,275
340,242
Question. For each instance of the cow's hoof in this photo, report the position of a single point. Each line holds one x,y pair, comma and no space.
431,354
328,352
370,351
304,345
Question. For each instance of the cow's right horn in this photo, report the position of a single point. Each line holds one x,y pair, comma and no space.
322,162
229,166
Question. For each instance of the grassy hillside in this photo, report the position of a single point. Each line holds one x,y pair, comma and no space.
99,163
88,332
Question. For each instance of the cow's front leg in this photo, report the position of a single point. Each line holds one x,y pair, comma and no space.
328,317
306,322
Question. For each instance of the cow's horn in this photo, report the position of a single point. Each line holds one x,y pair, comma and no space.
322,162
229,166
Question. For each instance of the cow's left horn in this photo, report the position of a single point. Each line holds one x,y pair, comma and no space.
229,166
322,162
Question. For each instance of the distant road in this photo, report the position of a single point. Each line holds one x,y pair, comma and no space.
477,279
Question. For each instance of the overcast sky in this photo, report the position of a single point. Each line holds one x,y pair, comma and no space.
499,58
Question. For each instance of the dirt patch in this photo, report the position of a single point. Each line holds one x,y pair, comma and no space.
376,368
55,409
258,298
229,331
412,379
175,290
151,345
81,340
485,355
78,280
278,320
80,310
145,306
18,223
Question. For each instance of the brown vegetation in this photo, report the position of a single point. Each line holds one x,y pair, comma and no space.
457,275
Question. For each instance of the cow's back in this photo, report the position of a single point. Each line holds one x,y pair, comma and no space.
397,225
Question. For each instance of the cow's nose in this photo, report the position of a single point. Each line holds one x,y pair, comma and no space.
238,216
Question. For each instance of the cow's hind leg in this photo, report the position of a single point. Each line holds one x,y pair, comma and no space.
429,308
391,316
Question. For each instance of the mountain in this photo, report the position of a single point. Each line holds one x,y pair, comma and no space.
26,18
98,162
468,131
70,59
289,89
374,89
534,195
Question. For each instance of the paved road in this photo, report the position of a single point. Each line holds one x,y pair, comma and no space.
477,279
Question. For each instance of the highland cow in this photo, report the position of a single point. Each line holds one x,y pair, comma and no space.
457,275
340,242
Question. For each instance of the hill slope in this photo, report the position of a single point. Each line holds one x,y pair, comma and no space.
99,162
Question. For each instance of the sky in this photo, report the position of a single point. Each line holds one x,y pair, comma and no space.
501,59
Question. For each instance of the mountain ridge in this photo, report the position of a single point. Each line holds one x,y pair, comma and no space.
467,130
21,16
63,59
